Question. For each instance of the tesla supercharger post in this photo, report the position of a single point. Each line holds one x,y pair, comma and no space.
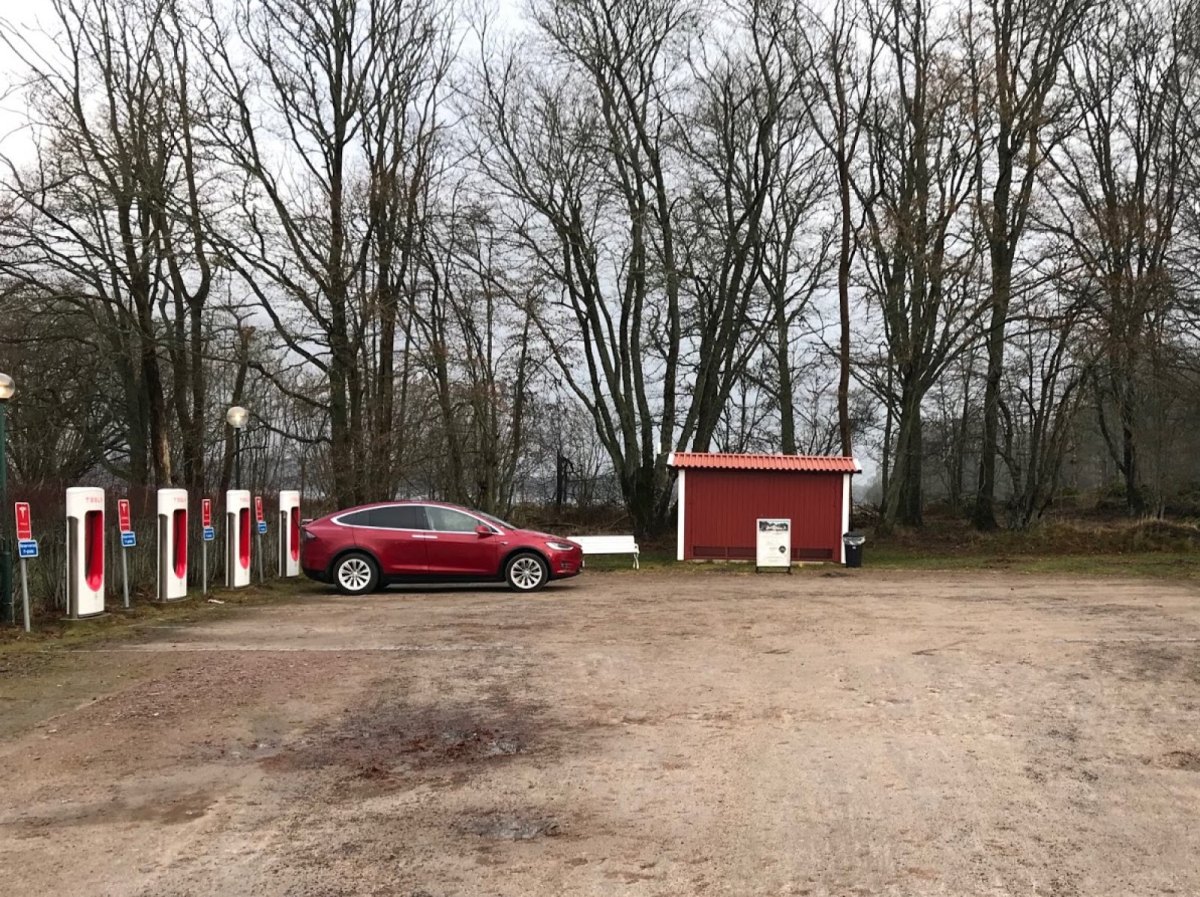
237,538
289,533
85,551
172,544
207,535
128,541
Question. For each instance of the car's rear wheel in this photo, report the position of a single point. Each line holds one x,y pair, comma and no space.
355,574
526,572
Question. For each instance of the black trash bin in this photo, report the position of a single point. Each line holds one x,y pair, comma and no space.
853,543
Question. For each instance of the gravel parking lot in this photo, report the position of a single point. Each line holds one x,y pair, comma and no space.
827,733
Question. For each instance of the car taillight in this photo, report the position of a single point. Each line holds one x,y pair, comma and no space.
305,535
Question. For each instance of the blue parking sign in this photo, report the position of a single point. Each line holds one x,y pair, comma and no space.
129,540
27,548
209,534
262,528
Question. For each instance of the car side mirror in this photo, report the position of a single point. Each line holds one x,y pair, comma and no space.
482,530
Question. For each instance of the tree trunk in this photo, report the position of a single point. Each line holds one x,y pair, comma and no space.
844,259
1135,498
786,398
160,438
984,515
903,501
235,398
911,497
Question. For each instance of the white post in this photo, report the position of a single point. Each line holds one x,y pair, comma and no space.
845,513
679,510
25,591
160,592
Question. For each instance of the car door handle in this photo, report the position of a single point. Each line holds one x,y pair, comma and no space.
423,536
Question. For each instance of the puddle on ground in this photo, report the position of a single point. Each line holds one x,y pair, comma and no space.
375,741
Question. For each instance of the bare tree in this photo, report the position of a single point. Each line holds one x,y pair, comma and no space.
582,147
1016,54
64,422
920,248
746,140
842,53
112,211
1118,189
1043,391
331,127
480,351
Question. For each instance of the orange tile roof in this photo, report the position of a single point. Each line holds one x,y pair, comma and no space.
731,461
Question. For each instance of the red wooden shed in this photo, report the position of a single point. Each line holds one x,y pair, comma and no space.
722,495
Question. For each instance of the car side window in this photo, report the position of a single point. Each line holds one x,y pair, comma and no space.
358,518
399,517
445,520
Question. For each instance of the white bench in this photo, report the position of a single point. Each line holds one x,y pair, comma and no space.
608,545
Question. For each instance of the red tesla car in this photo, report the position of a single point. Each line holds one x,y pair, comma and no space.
362,549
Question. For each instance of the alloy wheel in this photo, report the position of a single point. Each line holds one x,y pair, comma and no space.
526,573
354,574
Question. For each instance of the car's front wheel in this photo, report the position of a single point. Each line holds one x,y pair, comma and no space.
355,574
526,572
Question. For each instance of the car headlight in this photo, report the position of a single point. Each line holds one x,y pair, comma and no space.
560,546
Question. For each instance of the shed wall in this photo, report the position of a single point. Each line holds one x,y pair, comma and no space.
722,506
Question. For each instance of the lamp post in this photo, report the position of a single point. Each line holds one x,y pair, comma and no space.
7,388
236,417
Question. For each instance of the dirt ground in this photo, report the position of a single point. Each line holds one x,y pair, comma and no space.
845,733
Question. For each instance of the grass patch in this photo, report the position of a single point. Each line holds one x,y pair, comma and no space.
53,631
942,536
1161,564
1154,564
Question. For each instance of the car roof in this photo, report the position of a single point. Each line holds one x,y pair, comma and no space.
408,501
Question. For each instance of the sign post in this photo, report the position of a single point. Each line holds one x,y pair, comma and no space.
26,548
774,543
209,535
128,540
262,529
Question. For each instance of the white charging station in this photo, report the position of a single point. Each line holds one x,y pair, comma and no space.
85,551
289,533
238,535
172,544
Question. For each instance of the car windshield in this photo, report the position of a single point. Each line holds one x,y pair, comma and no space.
495,521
